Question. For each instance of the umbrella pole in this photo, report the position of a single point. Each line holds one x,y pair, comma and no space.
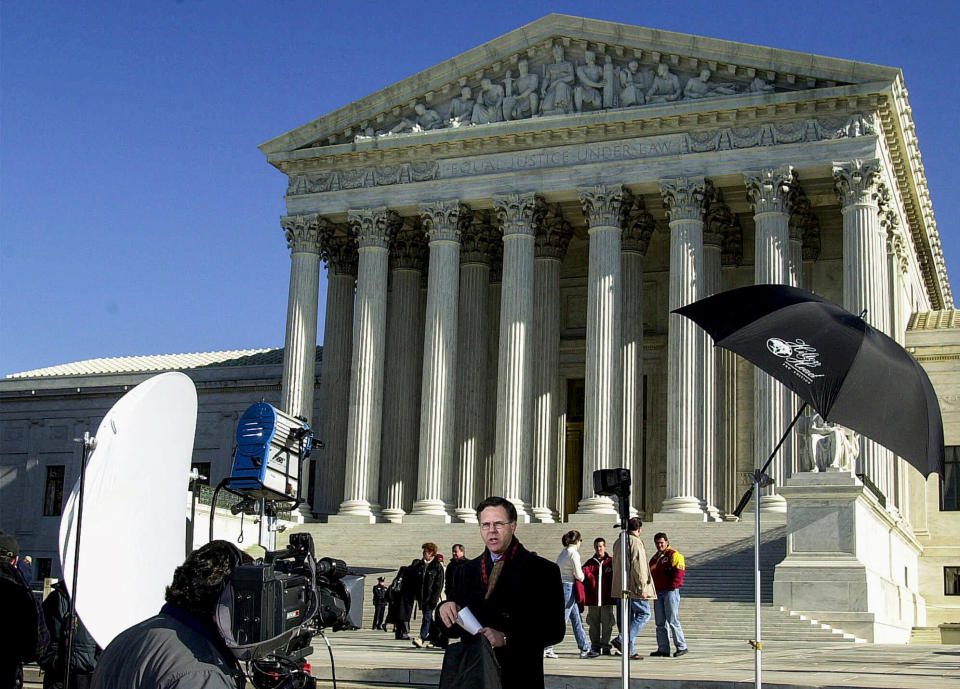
759,479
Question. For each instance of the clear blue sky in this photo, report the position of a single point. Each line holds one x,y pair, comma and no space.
139,217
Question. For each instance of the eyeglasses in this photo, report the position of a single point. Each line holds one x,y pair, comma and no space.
494,526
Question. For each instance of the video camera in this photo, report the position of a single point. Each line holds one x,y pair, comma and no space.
271,609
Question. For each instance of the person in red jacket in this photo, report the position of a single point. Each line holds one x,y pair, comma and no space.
668,568
597,587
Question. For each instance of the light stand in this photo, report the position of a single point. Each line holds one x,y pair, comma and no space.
89,445
617,482
759,479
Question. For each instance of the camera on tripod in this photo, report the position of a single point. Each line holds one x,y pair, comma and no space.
271,610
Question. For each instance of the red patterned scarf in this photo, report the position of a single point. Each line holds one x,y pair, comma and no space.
490,578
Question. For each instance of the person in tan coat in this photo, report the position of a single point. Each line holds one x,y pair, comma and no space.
639,588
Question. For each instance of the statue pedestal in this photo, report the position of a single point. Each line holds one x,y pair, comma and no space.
849,563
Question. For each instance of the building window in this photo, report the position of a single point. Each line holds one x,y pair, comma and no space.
44,567
203,468
950,485
53,494
951,581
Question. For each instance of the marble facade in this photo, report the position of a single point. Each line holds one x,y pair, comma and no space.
566,186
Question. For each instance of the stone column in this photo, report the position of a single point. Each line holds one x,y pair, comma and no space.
472,334
865,276
487,477
373,228
769,192
401,413
633,246
340,254
552,238
605,209
718,218
515,370
685,199
300,343
443,222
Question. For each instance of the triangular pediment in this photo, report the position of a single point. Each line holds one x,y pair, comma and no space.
566,66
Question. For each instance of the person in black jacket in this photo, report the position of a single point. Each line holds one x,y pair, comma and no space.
56,609
429,577
515,594
458,558
400,597
379,604
23,634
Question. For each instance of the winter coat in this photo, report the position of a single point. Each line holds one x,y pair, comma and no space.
400,596
668,569
56,607
598,580
429,577
453,571
526,604
172,650
379,595
23,633
640,581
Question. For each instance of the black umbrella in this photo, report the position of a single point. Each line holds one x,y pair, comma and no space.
851,373
834,361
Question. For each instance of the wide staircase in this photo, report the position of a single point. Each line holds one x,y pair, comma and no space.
718,594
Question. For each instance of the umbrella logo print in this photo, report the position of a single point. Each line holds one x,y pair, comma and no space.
798,356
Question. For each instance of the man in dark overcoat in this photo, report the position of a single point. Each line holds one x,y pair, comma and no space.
516,595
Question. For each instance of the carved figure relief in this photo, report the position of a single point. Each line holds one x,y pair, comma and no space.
560,85
557,89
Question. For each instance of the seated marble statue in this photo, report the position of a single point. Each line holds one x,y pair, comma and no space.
590,87
556,92
758,85
522,99
829,446
461,108
633,85
489,105
425,120
665,86
701,88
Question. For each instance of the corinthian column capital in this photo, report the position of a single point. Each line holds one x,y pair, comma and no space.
374,227
857,182
685,198
553,234
637,230
476,245
339,251
769,189
605,206
445,220
408,249
303,232
518,213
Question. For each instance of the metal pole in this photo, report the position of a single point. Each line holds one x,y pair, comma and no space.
624,607
758,644
89,444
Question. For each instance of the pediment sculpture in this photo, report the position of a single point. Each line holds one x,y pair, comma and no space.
559,85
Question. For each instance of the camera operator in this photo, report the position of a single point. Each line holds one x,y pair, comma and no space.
180,647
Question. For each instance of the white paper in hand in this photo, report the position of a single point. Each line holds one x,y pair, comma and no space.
466,620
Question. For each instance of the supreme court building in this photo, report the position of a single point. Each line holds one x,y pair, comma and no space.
505,235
